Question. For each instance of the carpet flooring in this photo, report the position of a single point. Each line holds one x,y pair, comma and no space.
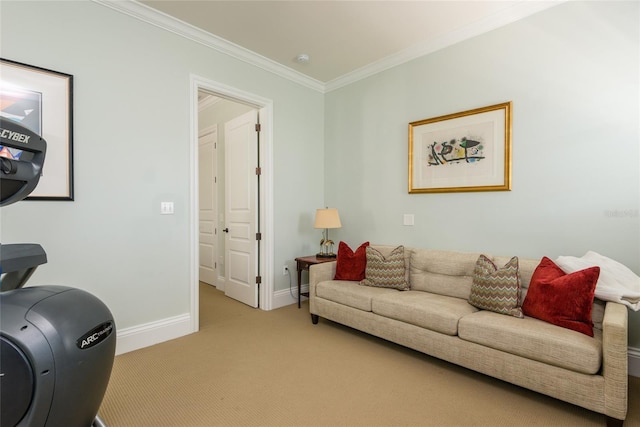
247,367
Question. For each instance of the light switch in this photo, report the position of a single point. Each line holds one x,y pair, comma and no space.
166,208
408,219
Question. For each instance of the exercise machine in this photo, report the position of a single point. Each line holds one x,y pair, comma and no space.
57,343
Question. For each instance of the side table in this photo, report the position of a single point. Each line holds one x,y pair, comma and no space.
303,263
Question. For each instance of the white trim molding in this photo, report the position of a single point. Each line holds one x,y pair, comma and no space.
207,102
499,19
265,109
148,334
151,16
285,297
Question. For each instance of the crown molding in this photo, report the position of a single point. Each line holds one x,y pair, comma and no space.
506,16
151,16
208,101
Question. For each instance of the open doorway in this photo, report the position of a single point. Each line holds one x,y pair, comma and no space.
219,113
215,116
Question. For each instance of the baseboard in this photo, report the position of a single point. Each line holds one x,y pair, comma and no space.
634,361
287,297
137,337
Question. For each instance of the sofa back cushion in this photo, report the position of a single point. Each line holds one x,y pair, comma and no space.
442,272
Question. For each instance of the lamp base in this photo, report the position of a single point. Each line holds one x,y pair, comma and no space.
321,255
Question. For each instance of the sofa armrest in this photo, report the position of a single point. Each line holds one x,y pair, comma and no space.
615,359
319,273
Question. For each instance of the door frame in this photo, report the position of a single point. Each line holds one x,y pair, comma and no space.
265,114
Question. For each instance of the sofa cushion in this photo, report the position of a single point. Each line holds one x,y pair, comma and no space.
597,313
534,339
431,311
385,271
442,272
350,265
350,293
562,299
496,289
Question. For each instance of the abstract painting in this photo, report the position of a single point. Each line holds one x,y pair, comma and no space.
467,151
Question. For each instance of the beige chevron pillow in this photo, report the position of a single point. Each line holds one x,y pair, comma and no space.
385,272
496,289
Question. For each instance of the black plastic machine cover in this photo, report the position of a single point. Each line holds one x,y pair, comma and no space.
57,343
21,163
56,353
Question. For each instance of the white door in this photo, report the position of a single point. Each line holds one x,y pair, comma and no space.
207,155
241,161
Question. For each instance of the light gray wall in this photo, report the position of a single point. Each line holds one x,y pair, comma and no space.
131,151
572,73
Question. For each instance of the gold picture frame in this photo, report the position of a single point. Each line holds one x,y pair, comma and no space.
466,151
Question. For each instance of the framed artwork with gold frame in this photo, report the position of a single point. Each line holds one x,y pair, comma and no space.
466,151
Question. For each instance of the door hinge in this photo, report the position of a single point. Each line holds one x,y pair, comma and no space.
258,236
258,280
258,171
258,127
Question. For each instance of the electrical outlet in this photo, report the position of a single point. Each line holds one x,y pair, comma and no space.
285,270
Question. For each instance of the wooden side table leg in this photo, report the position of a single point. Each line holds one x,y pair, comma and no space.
299,268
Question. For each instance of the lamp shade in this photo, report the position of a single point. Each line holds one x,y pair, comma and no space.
327,218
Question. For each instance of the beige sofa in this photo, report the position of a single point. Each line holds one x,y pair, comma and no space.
434,317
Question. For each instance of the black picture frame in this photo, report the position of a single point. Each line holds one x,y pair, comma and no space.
42,100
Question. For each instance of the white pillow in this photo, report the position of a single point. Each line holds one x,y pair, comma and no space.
616,282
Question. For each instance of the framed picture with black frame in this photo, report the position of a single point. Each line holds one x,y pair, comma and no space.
42,101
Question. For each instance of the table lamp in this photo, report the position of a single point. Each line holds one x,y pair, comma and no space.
327,218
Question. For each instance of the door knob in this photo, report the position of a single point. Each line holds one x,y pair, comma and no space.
226,230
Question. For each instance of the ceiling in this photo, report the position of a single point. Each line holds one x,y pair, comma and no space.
345,38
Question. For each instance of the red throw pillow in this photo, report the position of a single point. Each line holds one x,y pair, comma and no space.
562,299
351,265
